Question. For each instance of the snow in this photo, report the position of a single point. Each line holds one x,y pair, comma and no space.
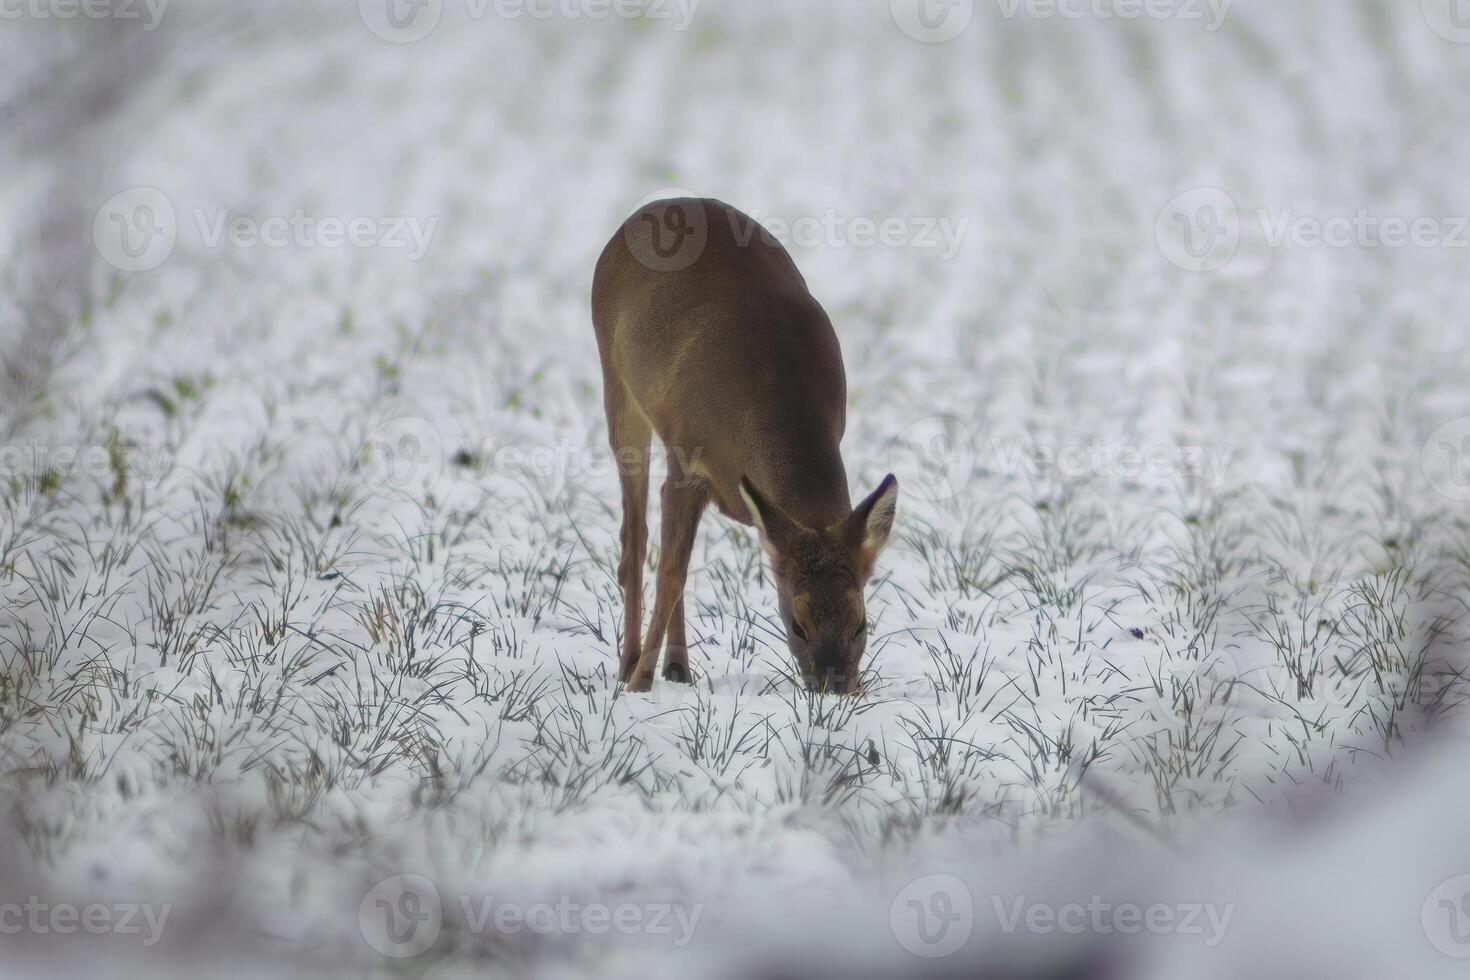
1176,609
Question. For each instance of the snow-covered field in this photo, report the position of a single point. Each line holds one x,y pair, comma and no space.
308,529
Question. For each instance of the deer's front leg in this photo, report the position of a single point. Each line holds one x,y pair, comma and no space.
684,500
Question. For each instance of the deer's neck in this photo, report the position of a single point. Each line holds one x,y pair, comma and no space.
805,477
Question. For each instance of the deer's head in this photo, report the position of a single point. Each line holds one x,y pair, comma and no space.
820,574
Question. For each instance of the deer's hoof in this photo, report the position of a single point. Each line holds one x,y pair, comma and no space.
678,673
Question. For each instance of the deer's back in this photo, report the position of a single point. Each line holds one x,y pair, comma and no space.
722,346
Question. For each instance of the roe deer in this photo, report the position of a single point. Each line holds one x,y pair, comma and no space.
709,337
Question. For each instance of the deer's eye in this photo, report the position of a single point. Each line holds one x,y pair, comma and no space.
800,633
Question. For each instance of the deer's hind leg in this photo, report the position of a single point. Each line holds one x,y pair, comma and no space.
630,435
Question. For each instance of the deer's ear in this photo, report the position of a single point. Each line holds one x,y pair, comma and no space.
872,520
776,529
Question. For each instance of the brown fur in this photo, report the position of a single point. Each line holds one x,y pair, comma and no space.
710,338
